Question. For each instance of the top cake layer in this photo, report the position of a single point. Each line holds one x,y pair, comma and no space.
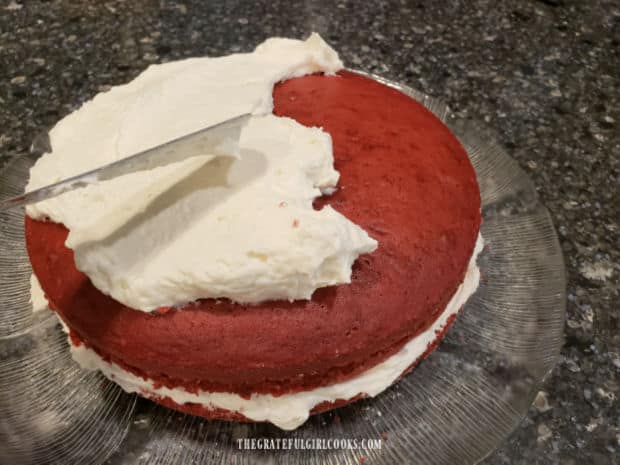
404,178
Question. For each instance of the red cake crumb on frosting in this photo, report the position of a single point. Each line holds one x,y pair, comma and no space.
404,178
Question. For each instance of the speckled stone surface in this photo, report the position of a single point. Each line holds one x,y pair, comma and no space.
545,75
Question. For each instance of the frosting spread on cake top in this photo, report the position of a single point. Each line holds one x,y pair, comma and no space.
208,227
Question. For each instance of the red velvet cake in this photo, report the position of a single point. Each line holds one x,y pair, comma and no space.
404,178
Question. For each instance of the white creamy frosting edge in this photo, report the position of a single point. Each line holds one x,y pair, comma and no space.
207,227
289,411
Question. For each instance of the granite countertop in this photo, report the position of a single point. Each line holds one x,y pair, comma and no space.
545,75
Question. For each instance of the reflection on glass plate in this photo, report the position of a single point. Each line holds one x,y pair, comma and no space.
454,408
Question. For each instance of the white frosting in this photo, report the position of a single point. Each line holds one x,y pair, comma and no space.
37,296
240,228
289,411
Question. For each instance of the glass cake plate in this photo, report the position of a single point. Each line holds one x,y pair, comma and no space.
456,407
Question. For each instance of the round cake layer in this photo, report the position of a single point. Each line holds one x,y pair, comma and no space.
286,411
404,178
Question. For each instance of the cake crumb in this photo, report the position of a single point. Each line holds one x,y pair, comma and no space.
295,223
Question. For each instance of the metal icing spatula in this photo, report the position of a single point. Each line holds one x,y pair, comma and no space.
219,139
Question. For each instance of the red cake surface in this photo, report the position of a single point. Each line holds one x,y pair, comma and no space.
405,179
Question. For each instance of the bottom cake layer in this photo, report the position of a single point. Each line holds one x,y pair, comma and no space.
287,411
